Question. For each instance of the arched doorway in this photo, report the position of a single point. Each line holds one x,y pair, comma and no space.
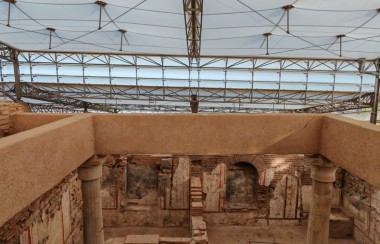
241,186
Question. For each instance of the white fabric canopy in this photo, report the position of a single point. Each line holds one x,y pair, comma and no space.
229,27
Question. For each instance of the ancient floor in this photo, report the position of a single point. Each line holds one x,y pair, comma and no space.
230,234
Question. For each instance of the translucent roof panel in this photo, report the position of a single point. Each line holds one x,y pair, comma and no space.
309,29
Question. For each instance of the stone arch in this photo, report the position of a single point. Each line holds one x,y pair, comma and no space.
254,160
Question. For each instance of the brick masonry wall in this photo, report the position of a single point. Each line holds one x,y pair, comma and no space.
362,200
6,110
148,206
55,217
283,196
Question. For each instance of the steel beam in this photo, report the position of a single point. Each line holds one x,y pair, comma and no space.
110,88
202,56
193,10
126,99
56,98
375,98
363,101
50,108
178,94
16,73
5,52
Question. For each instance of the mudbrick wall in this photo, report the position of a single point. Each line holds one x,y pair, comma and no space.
281,192
55,217
363,201
6,110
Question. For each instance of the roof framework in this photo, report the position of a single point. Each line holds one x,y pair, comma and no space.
151,56
122,83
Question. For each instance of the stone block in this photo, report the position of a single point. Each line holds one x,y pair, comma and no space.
4,127
197,223
197,205
358,209
116,240
196,182
180,185
360,237
119,240
277,203
375,199
66,214
284,222
166,164
175,240
336,197
213,188
142,239
341,228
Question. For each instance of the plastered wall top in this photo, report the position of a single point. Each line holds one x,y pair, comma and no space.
48,147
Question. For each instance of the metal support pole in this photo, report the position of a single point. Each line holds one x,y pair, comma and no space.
340,43
375,101
267,41
16,71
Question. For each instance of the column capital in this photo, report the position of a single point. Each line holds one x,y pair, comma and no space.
322,169
92,169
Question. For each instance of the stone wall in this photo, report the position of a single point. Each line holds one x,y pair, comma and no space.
362,200
281,194
55,217
129,199
6,110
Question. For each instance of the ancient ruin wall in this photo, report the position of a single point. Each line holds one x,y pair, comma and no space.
6,110
362,200
55,217
142,191
281,195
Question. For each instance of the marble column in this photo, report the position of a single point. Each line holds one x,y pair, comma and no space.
90,174
323,175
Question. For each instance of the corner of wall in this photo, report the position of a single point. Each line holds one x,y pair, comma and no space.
93,134
322,134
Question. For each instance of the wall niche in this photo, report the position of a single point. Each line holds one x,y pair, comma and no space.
241,186
142,184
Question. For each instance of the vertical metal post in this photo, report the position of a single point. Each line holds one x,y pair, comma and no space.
375,101
307,81
252,79
16,70
108,58
83,76
101,6
2,79
225,81
137,77
199,75
340,43
266,35
9,11
163,77
57,73
190,69
279,81
375,98
122,35
334,82
286,8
